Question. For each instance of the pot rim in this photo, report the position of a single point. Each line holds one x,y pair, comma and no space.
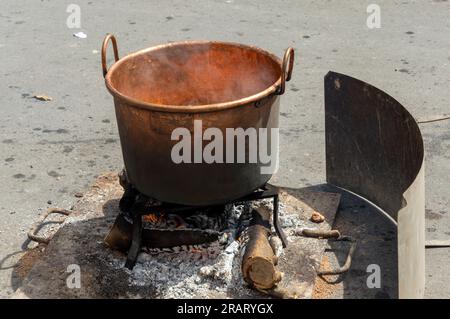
192,108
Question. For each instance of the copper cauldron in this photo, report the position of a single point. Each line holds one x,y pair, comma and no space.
159,89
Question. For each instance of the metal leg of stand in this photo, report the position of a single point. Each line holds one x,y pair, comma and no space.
276,224
135,247
128,199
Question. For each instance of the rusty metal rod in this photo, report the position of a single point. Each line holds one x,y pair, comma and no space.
437,243
32,233
318,233
345,267
335,235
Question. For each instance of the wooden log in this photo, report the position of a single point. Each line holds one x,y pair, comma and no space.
259,261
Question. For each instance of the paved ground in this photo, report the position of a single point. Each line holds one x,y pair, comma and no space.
51,150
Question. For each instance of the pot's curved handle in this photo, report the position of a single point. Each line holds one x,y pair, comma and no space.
104,47
288,62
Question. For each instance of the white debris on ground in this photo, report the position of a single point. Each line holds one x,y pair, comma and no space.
44,98
80,35
207,272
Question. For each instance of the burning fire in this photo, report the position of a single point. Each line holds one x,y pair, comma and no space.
196,250
158,219
154,218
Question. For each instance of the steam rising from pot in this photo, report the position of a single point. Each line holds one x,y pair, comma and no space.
196,74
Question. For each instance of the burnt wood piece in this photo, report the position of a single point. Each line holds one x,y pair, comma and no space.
120,236
268,191
259,261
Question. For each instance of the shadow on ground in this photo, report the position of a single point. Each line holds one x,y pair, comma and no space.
376,237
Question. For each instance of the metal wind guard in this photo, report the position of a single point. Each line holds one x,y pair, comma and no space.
374,148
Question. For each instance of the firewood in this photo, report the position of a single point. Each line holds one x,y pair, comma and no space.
259,260
317,217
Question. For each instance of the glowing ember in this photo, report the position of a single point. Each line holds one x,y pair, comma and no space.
153,218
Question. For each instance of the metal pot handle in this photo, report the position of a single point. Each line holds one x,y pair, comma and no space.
104,46
286,75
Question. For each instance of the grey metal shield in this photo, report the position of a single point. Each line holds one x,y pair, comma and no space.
374,148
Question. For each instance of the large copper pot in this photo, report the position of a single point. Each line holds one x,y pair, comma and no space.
156,90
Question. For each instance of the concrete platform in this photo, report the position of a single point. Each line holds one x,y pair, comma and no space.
80,242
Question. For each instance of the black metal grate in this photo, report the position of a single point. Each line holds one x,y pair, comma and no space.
135,205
